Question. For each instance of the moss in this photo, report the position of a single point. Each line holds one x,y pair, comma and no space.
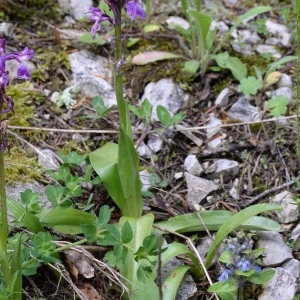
21,165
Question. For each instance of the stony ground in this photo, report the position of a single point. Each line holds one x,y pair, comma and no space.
221,156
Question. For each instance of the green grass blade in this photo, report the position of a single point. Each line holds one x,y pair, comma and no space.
233,223
172,283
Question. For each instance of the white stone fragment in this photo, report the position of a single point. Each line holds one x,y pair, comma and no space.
290,211
285,80
92,74
192,165
283,91
48,159
155,142
280,31
198,188
268,49
282,286
144,176
293,266
242,110
271,240
178,21
213,127
223,98
226,168
166,93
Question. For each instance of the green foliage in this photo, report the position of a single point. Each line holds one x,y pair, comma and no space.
165,117
143,112
100,108
250,85
278,106
43,247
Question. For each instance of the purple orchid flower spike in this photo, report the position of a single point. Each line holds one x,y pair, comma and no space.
135,9
19,56
98,17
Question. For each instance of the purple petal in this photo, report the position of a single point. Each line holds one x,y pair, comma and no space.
4,79
135,9
23,72
2,46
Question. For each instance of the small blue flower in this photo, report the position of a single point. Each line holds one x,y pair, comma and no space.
244,265
256,268
225,274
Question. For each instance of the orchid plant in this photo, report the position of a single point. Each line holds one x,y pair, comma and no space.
10,266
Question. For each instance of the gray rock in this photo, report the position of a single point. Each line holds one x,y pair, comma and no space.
276,250
290,211
91,73
280,31
282,286
144,176
268,49
198,188
187,287
243,110
283,91
166,93
295,233
155,142
223,167
285,80
6,29
213,127
48,159
143,150
293,266
204,246
192,165
178,21
223,98
76,8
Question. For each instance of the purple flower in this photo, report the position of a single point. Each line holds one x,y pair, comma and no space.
224,275
98,17
244,265
20,56
135,9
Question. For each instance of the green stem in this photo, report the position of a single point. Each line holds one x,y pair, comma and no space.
3,206
3,210
121,102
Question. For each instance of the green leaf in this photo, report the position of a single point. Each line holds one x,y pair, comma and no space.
104,161
172,283
128,167
87,39
163,115
185,33
27,219
99,106
226,257
278,106
250,85
227,290
15,265
234,64
278,63
203,23
262,277
66,220
153,56
233,223
72,158
104,215
192,66
126,233
213,220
